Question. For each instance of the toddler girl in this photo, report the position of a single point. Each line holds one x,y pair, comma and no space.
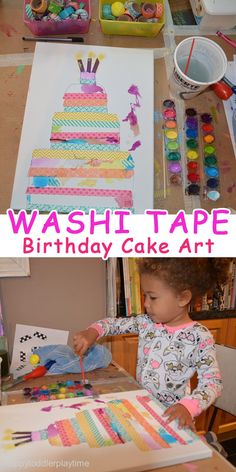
171,347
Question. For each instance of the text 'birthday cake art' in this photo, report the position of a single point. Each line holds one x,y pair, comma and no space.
84,167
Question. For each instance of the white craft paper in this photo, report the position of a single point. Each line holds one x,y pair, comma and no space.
27,339
54,70
95,457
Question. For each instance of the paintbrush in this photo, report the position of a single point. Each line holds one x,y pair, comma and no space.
40,371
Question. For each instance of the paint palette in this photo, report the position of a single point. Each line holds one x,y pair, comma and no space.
211,168
58,391
171,138
192,152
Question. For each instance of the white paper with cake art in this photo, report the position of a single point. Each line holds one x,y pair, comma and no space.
115,432
87,137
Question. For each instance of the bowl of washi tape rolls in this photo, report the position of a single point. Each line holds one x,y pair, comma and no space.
52,17
131,18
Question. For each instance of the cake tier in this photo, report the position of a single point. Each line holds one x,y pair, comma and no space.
89,122
82,102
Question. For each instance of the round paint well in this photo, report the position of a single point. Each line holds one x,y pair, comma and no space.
171,134
209,149
208,138
168,104
192,155
172,145
175,179
193,189
213,195
191,143
207,128
211,171
192,165
174,167
170,124
169,114
193,177
191,122
206,118
191,133
174,156
210,161
190,112
212,183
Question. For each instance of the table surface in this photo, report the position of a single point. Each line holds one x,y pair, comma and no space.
115,379
15,54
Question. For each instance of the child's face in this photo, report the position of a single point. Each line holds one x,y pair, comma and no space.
162,304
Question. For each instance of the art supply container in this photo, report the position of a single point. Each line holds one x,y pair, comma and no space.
52,27
207,65
214,14
130,28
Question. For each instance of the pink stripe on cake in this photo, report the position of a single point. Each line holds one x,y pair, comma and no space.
89,96
81,172
104,137
123,197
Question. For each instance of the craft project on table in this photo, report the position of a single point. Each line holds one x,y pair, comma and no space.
127,427
87,137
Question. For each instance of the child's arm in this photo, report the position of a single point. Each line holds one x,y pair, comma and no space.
106,327
209,385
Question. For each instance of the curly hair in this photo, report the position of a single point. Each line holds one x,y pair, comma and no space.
199,275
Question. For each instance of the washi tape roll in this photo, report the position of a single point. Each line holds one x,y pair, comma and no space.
134,9
159,10
39,6
148,10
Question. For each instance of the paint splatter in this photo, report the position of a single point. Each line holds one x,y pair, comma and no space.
133,120
133,90
20,69
191,467
231,188
135,146
7,29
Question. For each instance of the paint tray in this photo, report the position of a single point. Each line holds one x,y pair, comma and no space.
50,27
129,28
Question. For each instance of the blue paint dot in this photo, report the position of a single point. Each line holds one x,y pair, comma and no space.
191,133
40,181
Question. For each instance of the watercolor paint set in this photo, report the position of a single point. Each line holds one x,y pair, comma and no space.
172,145
192,152
211,167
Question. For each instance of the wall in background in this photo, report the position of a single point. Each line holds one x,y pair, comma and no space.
60,293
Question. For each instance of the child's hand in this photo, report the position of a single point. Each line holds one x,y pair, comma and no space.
83,340
180,413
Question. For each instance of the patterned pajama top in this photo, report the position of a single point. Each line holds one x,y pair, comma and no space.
168,357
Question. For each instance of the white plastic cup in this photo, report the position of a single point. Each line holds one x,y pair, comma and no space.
207,66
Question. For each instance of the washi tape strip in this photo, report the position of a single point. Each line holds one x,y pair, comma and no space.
211,166
192,152
171,139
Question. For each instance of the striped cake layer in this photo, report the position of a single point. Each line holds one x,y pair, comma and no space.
84,109
96,156
97,96
80,172
63,121
96,137
87,197
74,182
85,146
125,164
60,208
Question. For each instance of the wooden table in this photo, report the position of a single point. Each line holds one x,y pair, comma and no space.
16,59
115,379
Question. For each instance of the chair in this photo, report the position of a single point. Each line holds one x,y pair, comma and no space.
226,357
